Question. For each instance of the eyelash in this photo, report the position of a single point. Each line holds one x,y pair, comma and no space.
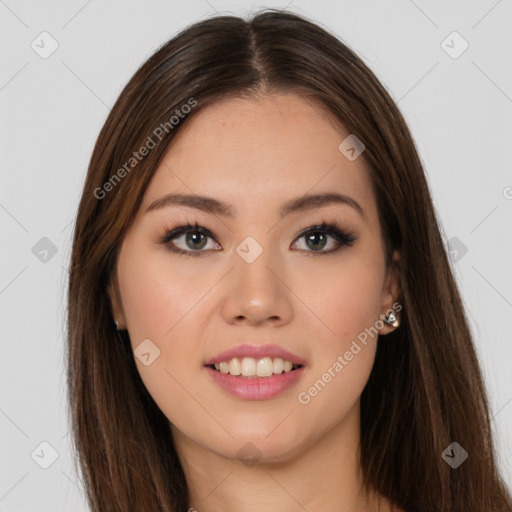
330,228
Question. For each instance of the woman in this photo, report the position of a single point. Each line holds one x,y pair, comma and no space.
262,315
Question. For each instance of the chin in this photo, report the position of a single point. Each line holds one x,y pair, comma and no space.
259,450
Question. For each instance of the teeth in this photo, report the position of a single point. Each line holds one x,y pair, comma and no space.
278,365
250,367
265,367
235,368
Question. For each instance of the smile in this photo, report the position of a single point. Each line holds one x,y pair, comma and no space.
252,367
253,379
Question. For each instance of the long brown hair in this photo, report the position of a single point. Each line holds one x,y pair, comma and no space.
426,388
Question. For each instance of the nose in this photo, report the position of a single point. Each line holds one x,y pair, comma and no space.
256,293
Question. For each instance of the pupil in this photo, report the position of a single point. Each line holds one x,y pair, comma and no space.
193,236
314,239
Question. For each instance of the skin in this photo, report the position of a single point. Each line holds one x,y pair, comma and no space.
255,154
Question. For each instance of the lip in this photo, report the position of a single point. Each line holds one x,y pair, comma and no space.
257,388
257,352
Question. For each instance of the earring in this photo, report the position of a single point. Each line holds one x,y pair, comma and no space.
392,320
117,324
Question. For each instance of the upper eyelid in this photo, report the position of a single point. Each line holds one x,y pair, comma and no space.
184,228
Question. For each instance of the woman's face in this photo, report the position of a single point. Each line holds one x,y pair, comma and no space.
256,278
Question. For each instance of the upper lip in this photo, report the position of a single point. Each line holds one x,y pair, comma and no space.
257,352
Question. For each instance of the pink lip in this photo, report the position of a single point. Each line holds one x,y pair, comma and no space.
257,352
257,388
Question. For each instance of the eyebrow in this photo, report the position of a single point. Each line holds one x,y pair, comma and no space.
217,207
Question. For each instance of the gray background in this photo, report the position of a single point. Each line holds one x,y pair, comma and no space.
459,110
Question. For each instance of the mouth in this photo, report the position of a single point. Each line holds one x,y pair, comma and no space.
255,372
248,378
251,368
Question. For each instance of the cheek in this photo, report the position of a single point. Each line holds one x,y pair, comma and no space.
156,293
345,298
347,308
160,303
156,301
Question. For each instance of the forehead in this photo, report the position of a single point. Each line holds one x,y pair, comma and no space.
265,125
250,152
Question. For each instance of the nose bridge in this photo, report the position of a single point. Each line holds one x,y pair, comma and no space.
254,261
257,289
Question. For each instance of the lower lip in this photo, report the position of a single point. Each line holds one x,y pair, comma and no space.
257,388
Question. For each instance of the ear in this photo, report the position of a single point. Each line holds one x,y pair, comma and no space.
115,301
391,294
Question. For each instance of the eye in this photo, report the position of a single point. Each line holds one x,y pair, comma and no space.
317,238
194,238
